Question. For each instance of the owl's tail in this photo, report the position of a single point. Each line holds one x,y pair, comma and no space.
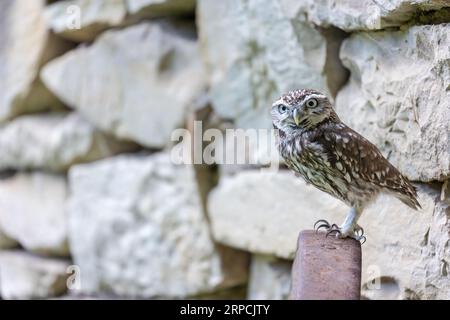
408,195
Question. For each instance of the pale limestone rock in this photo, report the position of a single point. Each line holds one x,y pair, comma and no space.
32,212
25,46
263,212
54,142
270,278
407,253
25,276
135,83
137,229
398,97
83,20
253,52
353,15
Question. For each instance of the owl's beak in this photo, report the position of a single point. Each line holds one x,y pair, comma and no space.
296,116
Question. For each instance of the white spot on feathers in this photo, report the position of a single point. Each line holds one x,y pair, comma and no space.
347,177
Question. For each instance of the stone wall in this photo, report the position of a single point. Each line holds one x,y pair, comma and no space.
91,203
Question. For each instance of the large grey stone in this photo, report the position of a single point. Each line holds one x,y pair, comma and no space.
25,276
407,254
263,212
253,52
353,15
32,212
84,20
137,229
25,46
54,142
398,97
270,278
135,83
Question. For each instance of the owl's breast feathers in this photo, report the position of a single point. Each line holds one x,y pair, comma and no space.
339,161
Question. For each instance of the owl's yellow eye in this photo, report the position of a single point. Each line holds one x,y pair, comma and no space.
311,103
282,108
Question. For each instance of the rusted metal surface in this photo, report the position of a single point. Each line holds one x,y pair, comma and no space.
326,268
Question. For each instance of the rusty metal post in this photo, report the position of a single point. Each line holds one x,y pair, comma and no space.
326,268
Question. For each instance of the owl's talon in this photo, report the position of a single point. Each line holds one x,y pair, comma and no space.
337,231
359,231
326,224
358,234
363,238
329,228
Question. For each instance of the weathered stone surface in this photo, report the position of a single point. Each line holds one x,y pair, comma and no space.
136,83
137,229
32,212
267,211
407,252
83,20
270,278
54,142
398,97
253,52
25,46
352,15
25,276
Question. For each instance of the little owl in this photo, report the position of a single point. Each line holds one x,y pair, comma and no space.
315,144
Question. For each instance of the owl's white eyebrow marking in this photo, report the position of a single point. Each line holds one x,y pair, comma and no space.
310,96
278,102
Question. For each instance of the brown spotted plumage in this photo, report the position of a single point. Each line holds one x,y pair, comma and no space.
334,158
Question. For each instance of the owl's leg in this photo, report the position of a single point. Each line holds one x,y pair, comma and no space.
350,227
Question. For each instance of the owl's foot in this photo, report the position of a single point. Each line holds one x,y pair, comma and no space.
329,228
356,232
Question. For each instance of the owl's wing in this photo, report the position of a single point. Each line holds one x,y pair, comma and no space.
360,160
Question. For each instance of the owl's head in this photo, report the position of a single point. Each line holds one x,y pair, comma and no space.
301,109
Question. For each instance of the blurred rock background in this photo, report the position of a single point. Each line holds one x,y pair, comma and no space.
91,205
